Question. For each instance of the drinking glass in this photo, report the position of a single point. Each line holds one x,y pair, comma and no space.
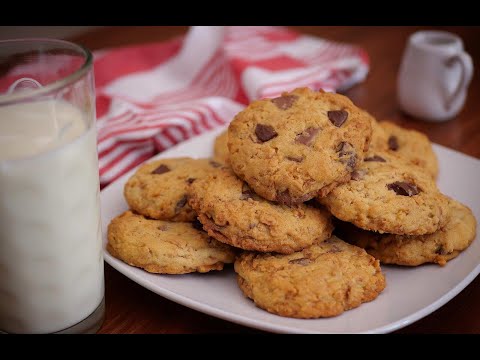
51,260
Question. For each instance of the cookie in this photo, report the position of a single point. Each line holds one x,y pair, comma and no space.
302,144
411,145
158,188
165,247
441,246
232,213
320,281
389,196
220,148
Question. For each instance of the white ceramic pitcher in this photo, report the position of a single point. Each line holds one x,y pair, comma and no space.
434,76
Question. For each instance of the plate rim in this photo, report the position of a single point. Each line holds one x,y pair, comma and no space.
275,328
125,270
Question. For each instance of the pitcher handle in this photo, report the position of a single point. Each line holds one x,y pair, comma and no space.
466,74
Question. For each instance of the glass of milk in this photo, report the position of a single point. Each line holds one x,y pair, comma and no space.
51,261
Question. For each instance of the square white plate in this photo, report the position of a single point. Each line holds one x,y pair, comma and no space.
411,293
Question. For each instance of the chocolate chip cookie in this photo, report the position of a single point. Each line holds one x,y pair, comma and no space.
220,148
411,145
441,246
165,247
322,280
232,213
387,195
299,145
158,188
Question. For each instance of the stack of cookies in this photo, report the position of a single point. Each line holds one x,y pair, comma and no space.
288,173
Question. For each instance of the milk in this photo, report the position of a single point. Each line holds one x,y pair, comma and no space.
51,262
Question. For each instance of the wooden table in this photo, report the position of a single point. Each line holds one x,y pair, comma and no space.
133,309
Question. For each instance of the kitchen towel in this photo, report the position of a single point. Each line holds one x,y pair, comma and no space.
153,96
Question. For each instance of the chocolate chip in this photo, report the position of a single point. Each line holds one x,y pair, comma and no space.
393,143
352,161
162,169
197,225
180,204
301,261
265,132
284,102
215,164
358,174
190,180
375,158
307,137
441,251
403,188
284,198
346,154
295,158
247,193
337,117
344,148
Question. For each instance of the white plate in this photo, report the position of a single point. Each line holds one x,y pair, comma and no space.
411,293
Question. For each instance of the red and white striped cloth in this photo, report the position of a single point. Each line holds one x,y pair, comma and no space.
151,97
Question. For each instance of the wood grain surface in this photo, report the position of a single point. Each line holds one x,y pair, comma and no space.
134,309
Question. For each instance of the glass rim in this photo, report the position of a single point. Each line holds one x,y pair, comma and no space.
57,84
